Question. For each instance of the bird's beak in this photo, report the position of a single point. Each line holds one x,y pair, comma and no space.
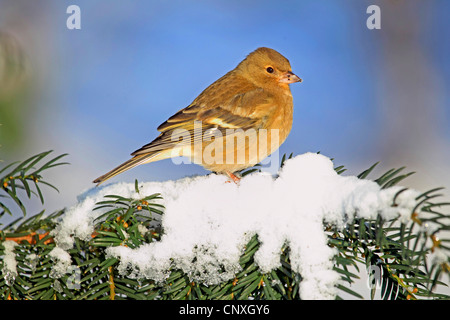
289,77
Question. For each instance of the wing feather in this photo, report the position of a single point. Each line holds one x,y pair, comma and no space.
242,111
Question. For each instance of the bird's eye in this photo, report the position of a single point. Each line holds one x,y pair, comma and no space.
269,69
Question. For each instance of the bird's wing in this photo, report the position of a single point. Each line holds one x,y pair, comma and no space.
243,111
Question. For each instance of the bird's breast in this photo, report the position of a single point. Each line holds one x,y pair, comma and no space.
281,119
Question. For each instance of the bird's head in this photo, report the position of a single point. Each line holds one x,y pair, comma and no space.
267,68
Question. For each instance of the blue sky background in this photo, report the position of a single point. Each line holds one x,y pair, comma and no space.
101,91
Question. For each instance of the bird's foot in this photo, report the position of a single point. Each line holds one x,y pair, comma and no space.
233,177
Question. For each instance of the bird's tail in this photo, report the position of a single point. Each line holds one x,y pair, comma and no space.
133,162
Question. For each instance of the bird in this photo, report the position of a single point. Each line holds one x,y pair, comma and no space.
249,108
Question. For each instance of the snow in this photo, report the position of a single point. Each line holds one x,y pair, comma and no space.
9,261
207,222
62,262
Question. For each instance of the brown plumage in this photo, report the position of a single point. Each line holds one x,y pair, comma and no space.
253,96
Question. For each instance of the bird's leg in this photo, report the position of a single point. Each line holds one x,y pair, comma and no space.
233,177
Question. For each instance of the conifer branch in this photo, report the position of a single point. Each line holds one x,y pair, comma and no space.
397,249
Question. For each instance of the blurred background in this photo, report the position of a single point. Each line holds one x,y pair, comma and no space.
99,93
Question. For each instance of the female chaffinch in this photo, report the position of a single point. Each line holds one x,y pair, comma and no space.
233,124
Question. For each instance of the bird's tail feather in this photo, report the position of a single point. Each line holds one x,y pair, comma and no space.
133,162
